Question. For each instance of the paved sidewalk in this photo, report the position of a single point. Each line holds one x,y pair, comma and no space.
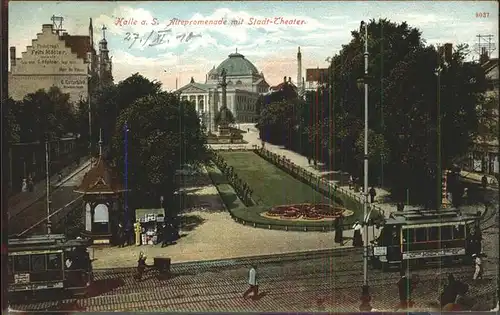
22,200
477,177
340,179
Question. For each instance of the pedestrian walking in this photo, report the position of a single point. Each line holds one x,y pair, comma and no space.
31,185
339,239
121,235
406,285
351,182
166,235
478,273
373,193
357,241
484,182
24,185
252,281
141,265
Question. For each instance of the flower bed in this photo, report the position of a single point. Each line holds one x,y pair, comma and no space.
306,212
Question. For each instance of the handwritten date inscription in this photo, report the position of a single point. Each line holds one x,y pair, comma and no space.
158,37
482,14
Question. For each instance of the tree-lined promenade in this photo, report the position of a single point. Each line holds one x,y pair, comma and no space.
158,132
404,137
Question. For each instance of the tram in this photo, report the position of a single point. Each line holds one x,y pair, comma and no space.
421,236
49,262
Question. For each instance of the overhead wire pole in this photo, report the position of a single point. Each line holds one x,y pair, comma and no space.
49,227
365,294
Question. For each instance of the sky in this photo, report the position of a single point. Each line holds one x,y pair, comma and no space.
165,51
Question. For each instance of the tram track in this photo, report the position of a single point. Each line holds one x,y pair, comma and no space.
315,279
36,212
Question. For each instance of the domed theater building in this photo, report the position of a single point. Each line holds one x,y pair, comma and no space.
244,85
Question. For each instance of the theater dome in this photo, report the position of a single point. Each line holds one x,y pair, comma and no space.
237,65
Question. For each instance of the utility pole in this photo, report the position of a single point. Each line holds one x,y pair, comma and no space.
365,293
127,216
90,130
438,148
49,224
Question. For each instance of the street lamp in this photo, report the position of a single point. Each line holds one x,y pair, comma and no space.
365,293
89,77
127,216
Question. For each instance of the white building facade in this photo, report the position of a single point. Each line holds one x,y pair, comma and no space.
58,59
244,86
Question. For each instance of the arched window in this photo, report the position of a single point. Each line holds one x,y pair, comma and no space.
230,83
239,82
101,219
200,105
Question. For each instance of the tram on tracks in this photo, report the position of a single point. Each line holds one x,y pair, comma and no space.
49,263
421,236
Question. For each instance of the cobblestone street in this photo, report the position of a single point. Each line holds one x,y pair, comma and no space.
303,283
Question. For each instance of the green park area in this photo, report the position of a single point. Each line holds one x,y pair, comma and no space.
271,186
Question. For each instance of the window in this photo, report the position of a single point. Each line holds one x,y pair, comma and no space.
38,263
446,233
408,236
54,261
421,235
458,232
10,265
22,263
434,234
101,214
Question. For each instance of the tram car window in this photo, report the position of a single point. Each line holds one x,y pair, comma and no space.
10,270
22,263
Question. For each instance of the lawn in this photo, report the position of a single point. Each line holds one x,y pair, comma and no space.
225,190
271,186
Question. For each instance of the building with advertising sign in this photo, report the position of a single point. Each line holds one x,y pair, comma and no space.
56,58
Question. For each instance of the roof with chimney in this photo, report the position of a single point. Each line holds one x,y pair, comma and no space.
101,179
283,85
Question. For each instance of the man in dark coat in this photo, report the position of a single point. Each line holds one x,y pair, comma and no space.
165,235
141,266
120,233
372,193
406,285
484,182
339,239
452,289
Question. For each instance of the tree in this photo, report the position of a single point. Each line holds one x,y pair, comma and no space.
11,126
45,114
108,102
164,133
402,110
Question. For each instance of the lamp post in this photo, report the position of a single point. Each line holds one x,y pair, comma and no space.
365,294
89,77
127,216
439,188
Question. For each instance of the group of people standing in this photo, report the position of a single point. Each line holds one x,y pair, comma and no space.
352,185
166,234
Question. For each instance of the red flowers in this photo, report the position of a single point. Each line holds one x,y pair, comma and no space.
306,211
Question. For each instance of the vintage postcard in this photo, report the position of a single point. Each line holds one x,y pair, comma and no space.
260,156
